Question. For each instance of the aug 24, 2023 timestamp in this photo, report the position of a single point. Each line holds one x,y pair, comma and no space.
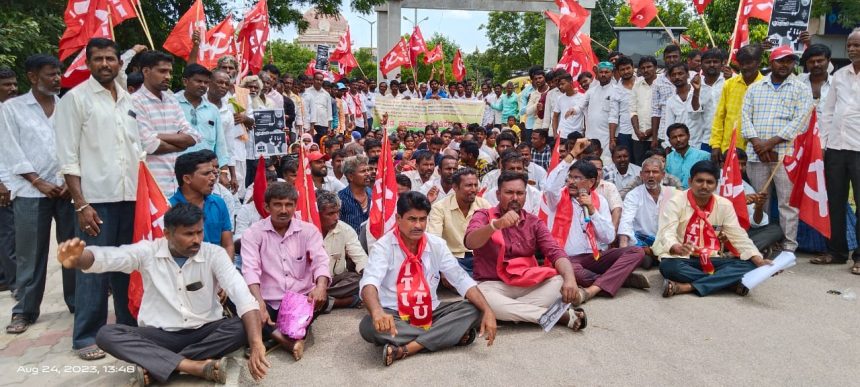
76,369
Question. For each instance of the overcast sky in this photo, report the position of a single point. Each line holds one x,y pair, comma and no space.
459,26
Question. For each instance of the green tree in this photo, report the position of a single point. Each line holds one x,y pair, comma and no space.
291,58
847,12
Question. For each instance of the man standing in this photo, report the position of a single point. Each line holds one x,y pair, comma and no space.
596,106
727,117
319,102
28,133
683,156
620,106
164,131
507,104
689,245
640,108
536,102
773,114
552,95
712,84
98,148
566,119
663,89
399,290
816,60
686,106
487,95
201,114
8,89
449,216
355,198
840,135
216,95
191,338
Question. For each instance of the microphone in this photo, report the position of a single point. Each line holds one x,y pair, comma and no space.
585,216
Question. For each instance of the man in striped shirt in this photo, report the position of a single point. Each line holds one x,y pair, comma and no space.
164,131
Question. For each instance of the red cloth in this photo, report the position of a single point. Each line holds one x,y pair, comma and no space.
458,69
568,24
253,36
84,21
414,302
260,186
642,12
306,208
564,218
149,209
121,10
398,56
434,55
344,47
416,45
220,41
700,233
578,56
805,168
383,203
519,271
733,184
700,6
179,41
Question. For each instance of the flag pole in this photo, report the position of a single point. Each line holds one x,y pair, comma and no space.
735,32
602,46
805,120
142,20
110,23
708,29
671,35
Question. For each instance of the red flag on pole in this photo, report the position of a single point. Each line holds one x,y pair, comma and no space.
642,12
434,55
84,21
384,198
555,158
568,25
759,9
78,70
458,68
344,47
416,45
253,36
219,42
701,5
179,41
578,56
398,56
260,186
733,183
121,10
310,70
346,64
805,169
149,210
306,208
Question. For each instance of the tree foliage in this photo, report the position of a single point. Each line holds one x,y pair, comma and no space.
846,12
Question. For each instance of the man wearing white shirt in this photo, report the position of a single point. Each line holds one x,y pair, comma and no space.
490,98
642,205
640,111
233,132
686,106
319,101
182,328
30,159
620,106
552,95
622,173
537,175
425,166
712,82
512,161
762,233
597,106
404,320
816,60
443,186
840,136
566,119
319,173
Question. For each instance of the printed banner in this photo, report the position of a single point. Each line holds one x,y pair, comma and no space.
269,136
322,57
417,114
788,20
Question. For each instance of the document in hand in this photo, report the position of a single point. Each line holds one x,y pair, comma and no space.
553,314
756,277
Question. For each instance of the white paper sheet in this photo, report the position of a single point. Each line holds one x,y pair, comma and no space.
756,277
553,314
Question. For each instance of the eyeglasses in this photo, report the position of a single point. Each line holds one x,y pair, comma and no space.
194,117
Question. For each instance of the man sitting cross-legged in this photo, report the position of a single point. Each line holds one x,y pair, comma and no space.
504,240
688,239
181,327
642,208
283,254
399,290
347,258
582,224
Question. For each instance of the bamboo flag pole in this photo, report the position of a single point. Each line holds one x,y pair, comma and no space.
142,19
671,35
708,29
600,45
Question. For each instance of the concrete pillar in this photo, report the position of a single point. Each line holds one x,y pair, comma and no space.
550,50
387,32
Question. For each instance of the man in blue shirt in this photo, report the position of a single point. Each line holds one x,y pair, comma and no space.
682,158
197,174
435,91
355,198
204,116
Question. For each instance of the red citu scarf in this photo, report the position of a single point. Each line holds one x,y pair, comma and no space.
564,218
414,303
701,234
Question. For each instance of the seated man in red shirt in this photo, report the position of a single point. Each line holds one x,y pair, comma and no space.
504,240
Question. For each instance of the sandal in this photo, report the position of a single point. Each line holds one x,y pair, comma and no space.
828,259
574,317
668,288
90,353
141,376
468,338
855,269
582,297
741,290
392,353
216,374
18,325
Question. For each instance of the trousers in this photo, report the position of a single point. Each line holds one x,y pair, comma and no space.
159,351
451,321
841,172
764,236
33,241
344,285
513,303
758,173
609,272
7,247
727,272
91,291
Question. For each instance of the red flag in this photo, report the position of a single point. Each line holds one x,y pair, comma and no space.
805,169
121,10
306,208
344,47
85,19
253,35
733,183
578,56
416,45
568,25
219,42
398,56
149,210
78,70
260,186
384,204
571,7
310,70
759,9
346,64
701,5
642,12
434,55
458,68
555,158
179,41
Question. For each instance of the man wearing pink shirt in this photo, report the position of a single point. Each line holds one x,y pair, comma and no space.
283,254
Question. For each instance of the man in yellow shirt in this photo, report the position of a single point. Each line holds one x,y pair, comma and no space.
728,113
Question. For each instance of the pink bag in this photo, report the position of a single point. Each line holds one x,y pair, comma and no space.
295,315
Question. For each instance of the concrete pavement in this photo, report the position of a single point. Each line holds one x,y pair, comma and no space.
789,331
